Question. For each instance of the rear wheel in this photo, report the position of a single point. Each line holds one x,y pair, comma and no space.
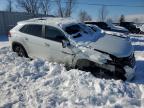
20,51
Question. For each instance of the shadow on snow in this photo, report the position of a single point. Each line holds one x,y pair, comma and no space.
139,74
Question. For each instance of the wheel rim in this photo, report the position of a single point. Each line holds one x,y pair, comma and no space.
19,51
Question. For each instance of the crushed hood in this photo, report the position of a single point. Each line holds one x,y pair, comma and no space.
116,46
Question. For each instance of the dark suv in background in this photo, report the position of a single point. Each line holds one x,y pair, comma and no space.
107,27
130,26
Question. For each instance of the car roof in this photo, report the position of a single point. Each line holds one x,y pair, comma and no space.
54,21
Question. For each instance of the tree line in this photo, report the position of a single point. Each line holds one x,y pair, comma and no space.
43,6
64,8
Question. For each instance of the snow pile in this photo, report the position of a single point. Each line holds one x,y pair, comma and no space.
38,83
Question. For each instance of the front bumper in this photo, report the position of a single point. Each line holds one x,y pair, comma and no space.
122,68
124,73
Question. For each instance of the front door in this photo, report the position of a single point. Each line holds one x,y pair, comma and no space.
53,44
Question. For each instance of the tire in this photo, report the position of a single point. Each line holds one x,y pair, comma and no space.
19,49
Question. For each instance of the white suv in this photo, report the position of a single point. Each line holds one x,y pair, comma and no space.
74,44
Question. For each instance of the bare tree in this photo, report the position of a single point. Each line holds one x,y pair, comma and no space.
122,19
65,11
103,13
9,6
109,21
60,8
69,7
30,6
136,20
83,16
45,6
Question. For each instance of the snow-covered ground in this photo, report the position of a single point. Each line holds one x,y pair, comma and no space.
41,84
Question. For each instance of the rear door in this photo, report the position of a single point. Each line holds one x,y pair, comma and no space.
33,39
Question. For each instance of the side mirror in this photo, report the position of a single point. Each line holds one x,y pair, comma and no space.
65,43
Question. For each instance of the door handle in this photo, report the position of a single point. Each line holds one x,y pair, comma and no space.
46,44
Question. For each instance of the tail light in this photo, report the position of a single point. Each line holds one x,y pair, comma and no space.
9,34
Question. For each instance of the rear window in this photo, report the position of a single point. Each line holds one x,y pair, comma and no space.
35,30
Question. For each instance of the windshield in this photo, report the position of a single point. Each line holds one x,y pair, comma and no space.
80,32
78,28
85,28
73,29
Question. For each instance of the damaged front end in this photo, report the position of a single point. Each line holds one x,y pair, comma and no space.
110,65
124,67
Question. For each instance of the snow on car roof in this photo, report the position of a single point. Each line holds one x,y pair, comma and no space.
50,21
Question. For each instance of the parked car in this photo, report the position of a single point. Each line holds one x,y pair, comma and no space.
74,44
112,33
130,26
107,27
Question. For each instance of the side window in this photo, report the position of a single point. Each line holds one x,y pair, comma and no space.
35,30
53,33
